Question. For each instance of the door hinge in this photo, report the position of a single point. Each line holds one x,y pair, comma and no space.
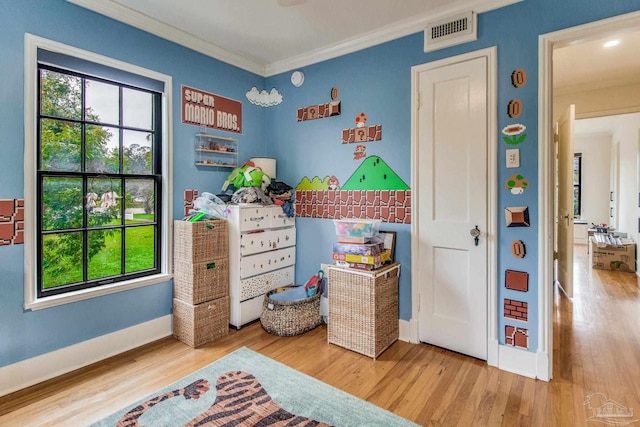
555,138
555,255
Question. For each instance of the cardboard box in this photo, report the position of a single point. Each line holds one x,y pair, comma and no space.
614,258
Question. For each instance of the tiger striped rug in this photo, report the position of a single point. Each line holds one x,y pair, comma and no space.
245,388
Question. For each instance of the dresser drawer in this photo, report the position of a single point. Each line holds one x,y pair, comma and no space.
255,218
260,285
253,243
280,219
268,261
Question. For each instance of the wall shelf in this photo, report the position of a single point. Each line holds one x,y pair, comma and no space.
216,151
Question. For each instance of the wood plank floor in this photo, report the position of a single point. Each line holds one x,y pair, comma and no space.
596,350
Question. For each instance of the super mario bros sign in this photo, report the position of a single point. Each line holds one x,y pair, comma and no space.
202,108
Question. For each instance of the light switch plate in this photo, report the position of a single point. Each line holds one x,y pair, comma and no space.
513,158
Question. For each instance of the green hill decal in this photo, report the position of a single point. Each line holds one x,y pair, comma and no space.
374,174
314,184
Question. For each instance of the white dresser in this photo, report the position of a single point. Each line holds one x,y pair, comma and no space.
262,256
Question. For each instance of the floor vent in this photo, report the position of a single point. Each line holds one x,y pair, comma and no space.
451,31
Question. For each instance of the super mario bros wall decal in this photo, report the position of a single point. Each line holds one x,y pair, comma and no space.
320,111
518,249
516,337
189,197
517,216
516,184
513,134
360,152
514,108
516,280
519,77
518,310
374,191
362,133
11,221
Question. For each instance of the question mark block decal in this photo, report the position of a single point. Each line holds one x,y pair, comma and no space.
362,134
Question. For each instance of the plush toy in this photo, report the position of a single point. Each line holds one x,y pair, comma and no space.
246,176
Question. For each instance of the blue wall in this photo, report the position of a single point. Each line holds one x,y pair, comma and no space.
378,81
375,80
25,334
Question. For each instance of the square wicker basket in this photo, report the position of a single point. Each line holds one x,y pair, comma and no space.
199,282
201,241
363,309
196,325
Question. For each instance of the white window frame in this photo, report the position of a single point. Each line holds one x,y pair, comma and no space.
31,300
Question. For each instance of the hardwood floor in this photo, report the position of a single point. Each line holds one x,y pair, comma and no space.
596,350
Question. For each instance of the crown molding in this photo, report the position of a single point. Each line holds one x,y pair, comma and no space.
168,32
382,35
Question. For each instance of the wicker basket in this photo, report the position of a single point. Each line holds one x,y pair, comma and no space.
363,309
196,325
201,241
289,318
202,281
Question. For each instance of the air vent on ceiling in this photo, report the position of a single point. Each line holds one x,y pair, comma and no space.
450,31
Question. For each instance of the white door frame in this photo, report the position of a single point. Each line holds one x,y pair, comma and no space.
492,171
546,44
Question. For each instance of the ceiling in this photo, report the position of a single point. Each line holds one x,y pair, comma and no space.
273,36
589,65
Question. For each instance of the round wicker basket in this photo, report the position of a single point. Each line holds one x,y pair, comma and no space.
289,318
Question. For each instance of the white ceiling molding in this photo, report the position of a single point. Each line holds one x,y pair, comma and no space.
160,29
381,35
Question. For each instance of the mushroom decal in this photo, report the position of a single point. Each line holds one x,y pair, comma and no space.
360,120
513,134
516,183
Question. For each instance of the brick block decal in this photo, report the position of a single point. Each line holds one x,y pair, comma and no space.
516,337
189,197
11,221
517,310
362,134
516,280
386,205
320,111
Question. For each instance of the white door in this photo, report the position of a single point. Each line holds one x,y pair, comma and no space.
452,200
565,199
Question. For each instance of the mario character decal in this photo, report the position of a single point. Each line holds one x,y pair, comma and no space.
360,152
333,183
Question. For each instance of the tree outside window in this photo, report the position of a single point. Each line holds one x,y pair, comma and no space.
98,181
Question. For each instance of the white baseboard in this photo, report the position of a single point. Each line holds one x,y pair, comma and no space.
50,365
408,331
493,353
543,367
518,361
